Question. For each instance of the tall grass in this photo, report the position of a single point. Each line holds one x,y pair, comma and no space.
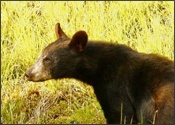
27,27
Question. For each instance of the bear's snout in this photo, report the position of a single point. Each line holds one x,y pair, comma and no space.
37,73
28,75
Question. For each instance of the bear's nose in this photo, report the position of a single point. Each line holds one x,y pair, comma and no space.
26,75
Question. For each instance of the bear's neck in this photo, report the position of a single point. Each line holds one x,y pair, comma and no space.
99,60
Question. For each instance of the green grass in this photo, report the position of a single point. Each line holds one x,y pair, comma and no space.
27,27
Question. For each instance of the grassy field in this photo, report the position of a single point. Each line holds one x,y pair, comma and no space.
27,27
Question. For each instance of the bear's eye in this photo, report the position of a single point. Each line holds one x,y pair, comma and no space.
47,60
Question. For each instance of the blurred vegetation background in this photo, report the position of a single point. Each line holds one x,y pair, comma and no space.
27,27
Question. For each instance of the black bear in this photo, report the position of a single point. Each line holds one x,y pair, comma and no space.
139,86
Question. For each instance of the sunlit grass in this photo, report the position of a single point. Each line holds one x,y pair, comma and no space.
27,27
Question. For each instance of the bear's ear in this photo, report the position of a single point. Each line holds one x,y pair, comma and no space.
78,41
59,32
